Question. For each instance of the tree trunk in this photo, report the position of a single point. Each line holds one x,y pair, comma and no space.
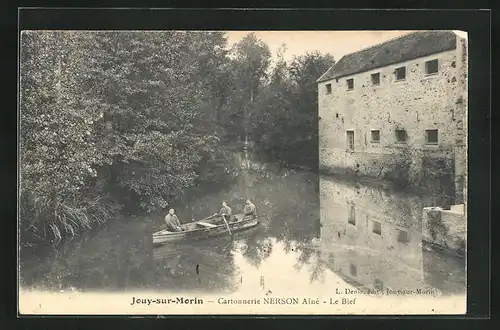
246,119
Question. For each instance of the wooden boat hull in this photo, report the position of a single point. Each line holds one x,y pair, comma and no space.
195,231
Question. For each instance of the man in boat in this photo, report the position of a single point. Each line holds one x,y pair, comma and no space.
249,210
225,212
172,222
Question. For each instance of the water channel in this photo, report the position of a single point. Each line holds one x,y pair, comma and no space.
316,233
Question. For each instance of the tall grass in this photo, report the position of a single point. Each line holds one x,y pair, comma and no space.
51,220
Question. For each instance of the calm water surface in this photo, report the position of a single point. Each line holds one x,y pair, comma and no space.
316,233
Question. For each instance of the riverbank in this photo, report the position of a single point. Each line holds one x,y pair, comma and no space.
50,223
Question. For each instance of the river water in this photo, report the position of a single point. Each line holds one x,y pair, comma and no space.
316,233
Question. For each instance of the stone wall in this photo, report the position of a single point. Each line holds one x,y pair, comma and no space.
461,112
445,228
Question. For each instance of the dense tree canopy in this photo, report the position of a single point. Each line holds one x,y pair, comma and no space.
286,125
134,118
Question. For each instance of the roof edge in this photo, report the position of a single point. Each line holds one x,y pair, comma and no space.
321,79
405,35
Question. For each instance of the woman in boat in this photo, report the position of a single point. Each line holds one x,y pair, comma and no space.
172,222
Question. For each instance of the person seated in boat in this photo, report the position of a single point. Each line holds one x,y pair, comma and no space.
249,210
172,222
225,212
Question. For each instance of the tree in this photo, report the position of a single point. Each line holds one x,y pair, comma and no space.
304,71
286,125
57,120
251,59
114,117
274,106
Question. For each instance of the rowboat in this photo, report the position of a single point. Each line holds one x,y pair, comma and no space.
205,228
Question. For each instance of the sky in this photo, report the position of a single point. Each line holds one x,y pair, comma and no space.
337,43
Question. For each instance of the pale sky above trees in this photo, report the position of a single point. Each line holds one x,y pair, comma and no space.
337,43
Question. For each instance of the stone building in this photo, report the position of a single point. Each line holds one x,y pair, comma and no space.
398,111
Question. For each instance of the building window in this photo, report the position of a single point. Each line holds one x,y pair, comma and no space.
375,136
431,136
377,228
403,236
376,79
350,84
354,270
400,73
350,140
401,136
378,284
328,88
351,214
431,67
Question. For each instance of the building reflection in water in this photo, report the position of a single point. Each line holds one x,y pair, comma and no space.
372,237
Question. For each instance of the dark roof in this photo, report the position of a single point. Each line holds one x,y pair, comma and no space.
404,48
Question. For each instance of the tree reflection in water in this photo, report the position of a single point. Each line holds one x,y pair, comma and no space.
318,267
288,210
257,250
205,266
116,256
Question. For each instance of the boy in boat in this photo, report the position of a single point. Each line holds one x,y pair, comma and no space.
172,221
249,210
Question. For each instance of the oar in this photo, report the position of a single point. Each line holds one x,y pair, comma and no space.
207,218
227,225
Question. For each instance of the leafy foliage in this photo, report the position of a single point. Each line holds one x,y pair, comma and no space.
249,63
134,118
115,114
286,127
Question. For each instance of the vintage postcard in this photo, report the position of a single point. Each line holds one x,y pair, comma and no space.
242,172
